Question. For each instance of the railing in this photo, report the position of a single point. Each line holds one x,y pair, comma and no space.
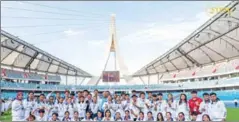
170,86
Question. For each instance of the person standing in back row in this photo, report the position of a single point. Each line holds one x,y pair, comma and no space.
217,109
18,108
194,103
235,102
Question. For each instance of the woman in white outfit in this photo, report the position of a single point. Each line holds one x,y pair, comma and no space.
60,108
171,106
81,107
118,116
87,117
94,107
119,106
18,108
183,106
69,106
109,105
29,104
107,116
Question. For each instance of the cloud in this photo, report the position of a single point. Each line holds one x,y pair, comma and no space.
170,32
96,42
71,32
164,35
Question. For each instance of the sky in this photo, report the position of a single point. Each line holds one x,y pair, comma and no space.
78,31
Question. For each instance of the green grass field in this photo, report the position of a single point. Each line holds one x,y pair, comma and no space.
232,114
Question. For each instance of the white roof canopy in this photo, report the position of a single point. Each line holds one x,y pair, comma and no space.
20,54
215,41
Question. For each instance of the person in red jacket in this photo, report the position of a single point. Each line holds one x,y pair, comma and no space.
194,103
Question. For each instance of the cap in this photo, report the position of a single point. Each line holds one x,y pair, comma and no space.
133,91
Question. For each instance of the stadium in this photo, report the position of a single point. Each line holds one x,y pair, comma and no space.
206,61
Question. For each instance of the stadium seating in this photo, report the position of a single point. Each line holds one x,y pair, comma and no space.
13,74
166,86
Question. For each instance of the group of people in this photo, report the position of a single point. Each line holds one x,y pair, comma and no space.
86,106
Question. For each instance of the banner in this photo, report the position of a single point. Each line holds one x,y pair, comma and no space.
111,76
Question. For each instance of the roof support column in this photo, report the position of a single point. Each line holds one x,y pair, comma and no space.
75,80
66,79
82,81
141,80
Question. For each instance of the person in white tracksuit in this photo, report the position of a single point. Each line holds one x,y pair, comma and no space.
81,107
41,116
18,108
183,106
70,107
29,104
94,107
126,102
171,106
60,108
109,105
51,107
41,104
119,106
217,109
161,104
205,105
154,106
145,104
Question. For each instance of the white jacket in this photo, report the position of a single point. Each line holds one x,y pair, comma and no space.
94,107
171,109
143,107
206,106
60,110
81,107
159,108
29,106
183,107
17,111
217,111
44,118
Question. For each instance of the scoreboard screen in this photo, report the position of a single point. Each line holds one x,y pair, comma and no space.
111,76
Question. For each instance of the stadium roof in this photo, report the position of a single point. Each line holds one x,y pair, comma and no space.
20,54
216,40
